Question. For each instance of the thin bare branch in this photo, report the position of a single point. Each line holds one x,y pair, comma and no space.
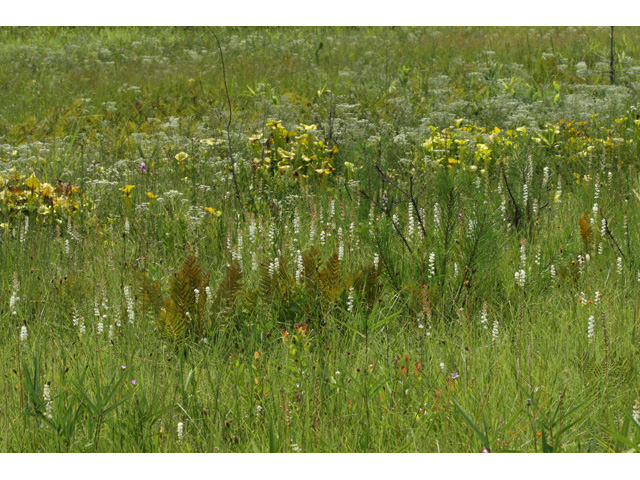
226,91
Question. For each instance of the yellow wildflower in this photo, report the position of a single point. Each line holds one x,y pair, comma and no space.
215,213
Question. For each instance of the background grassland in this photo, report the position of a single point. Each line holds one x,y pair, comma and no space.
356,298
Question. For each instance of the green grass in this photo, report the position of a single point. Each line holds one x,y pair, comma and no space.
370,307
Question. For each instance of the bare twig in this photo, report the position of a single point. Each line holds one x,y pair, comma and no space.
611,60
518,213
414,201
609,232
612,71
226,91
409,195
387,212
332,113
599,56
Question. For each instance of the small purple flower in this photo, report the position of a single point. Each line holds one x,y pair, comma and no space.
47,59
133,382
143,167
484,450
460,216
454,375
123,367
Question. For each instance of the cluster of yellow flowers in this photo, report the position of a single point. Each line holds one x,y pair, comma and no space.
465,145
27,195
297,151
468,146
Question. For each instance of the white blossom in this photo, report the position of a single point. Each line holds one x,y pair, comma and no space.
432,265
484,317
46,396
619,265
591,329
350,300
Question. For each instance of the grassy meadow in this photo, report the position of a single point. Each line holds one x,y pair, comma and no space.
348,240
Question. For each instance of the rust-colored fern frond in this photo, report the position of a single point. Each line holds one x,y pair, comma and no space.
330,278
184,284
373,287
230,285
368,284
179,313
265,281
171,320
310,261
150,295
586,232
282,275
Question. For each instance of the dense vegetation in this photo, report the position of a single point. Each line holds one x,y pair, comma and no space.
381,239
